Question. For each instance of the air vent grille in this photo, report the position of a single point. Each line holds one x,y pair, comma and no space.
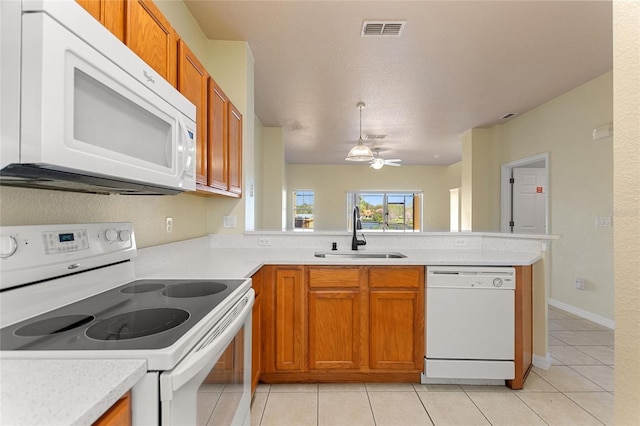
508,116
382,28
375,137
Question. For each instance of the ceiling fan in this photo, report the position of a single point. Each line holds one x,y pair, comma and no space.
378,162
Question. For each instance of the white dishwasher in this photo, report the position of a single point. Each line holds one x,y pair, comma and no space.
470,323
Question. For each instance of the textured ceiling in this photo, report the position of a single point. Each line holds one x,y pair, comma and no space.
458,65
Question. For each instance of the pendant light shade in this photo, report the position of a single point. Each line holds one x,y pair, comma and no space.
360,152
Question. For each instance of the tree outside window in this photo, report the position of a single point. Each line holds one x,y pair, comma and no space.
303,206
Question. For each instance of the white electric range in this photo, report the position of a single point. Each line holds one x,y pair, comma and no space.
70,291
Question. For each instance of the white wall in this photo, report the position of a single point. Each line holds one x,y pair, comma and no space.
331,183
580,188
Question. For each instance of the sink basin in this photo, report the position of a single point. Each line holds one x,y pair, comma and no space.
359,255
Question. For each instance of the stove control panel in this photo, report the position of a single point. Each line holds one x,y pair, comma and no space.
65,241
39,252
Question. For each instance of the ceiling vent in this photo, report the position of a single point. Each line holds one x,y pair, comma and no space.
375,137
382,28
508,116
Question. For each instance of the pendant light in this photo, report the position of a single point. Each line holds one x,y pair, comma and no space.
360,152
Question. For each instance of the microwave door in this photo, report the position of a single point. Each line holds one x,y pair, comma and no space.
86,113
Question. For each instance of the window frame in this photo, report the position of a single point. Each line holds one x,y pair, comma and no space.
295,208
353,198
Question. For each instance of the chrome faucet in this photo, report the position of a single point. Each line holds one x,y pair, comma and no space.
355,242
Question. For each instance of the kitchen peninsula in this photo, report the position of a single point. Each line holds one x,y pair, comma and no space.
289,261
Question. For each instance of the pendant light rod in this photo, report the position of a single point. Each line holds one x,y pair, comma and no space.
360,152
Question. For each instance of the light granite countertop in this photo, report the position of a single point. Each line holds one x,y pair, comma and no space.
63,392
201,262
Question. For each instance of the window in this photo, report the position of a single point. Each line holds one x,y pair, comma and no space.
303,202
387,211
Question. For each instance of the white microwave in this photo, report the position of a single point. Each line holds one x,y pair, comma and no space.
81,112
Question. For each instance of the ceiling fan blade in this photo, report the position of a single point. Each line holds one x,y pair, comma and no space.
392,160
392,164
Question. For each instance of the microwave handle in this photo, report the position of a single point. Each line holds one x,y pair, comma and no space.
186,150
195,361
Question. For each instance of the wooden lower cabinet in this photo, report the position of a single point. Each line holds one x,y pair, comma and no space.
334,329
396,311
327,324
396,329
284,316
118,415
523,326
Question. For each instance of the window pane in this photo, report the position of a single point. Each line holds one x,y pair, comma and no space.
387,211
303,210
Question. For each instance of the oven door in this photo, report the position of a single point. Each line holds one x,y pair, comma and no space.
212,384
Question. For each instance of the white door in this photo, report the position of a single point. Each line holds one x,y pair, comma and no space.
529,200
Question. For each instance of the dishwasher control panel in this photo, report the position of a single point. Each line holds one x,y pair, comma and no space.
503,278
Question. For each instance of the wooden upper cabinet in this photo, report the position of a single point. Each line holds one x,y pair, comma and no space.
218,146
192,83
224,155
109,13
235,150
151,37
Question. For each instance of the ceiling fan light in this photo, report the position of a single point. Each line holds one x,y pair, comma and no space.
360,152
377,163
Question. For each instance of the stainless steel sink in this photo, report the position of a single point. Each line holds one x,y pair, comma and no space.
359,255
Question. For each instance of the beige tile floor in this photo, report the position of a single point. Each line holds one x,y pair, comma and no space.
576,390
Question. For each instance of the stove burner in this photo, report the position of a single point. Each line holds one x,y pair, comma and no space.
53,325
143,288
194,289
137,324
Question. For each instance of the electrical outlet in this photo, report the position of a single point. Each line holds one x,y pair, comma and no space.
460,242
229,222
580,283
169,224
603,221
264,241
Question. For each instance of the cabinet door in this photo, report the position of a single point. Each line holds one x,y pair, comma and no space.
235,150
151,37
396,326
289,316
217,146
109,13
334,329
192,83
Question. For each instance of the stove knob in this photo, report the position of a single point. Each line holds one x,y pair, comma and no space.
497,282
8,246
124,235
110,235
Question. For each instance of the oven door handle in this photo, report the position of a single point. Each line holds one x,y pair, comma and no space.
209,349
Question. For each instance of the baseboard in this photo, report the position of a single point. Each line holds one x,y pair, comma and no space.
606,322
542,362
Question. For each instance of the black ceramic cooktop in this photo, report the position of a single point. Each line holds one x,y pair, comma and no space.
143,314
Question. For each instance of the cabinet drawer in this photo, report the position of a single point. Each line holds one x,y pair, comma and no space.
396,277
334,277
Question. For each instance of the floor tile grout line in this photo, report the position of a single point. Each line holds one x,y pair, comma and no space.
531,408
424,406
